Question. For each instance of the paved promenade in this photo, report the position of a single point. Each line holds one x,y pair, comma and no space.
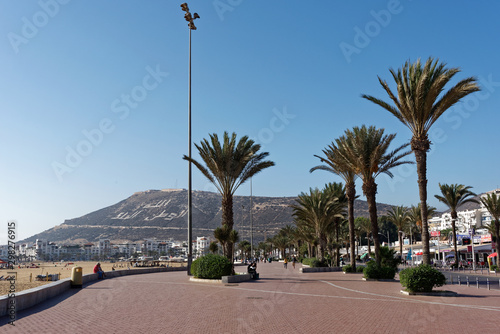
282,301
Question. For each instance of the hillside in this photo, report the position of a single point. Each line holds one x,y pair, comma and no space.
162,214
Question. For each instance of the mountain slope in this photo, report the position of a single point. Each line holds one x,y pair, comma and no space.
162,214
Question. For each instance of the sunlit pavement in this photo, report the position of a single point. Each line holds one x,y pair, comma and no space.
282,301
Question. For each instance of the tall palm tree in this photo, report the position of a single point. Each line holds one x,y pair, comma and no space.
367,151
399,216
453,196
492,204
418,104
317,209
228,166
334,162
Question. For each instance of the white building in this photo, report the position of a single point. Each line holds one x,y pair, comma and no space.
202,244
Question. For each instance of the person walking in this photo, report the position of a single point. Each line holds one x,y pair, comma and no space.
294,260
285,262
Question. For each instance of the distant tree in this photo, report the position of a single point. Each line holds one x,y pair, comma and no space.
363,225
213,247
245,248
398,215
492,203
453,196
317,209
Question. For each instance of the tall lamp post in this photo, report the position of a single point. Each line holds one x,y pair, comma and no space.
190,19
251,220
388,240
472,232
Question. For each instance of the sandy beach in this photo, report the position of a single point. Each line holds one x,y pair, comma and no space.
63,269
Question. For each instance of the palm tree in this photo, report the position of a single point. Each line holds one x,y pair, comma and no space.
234,237
334,162
492,204
366,150
317,209
221,234
418,105
363,225
415,214
281,242
306,233
453,196
245,248
399,216
228,166
213,247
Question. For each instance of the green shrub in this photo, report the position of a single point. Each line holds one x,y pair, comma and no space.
493,267
211,266
375,271
347,268
314,262
388,258
422,278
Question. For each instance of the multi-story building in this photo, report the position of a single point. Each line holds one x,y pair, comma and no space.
202,244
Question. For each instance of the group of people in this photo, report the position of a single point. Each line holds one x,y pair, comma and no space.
285,262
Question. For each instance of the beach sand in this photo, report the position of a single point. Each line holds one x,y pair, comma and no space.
63,269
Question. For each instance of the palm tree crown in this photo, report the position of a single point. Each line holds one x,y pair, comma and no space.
418,104
227,166
366,149
334,162
318,209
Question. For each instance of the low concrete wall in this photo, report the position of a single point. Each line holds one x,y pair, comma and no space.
28,298
319,269
236,278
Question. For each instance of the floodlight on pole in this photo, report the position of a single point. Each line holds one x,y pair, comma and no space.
191,26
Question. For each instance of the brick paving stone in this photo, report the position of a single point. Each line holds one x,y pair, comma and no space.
282,301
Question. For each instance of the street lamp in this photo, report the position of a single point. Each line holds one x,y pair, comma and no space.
471,232
190,18
251,220
388,240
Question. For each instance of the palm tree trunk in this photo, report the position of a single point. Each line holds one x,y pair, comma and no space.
321,248
351,194
368,241
337,247
227,219
420,149
454,240
497,236
370,189
400,244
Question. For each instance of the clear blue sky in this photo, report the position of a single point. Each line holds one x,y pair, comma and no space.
287,73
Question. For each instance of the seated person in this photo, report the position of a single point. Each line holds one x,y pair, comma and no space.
98,270
252,269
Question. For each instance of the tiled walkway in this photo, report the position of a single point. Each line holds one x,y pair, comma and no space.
282,301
